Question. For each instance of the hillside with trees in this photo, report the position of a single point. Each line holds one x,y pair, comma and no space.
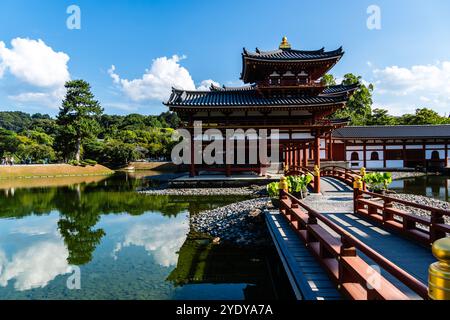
83,132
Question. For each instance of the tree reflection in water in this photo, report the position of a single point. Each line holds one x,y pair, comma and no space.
82,204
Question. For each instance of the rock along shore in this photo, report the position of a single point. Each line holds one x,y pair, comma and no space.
240,223
254,191
423,201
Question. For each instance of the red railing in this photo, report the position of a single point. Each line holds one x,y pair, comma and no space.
344,174
381,209
340,256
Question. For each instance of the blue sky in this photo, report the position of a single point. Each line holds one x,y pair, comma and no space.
155,44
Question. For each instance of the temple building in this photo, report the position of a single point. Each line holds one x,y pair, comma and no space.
393,147
283,91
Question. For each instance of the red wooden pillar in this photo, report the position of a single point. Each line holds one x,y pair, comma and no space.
330,147
446,154
365,154
404,154
317,163
288,156
305,156
424,154
192,164
296,155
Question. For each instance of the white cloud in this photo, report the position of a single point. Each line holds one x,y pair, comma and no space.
35,266
162,240
205,85
156,83
34,63
404,89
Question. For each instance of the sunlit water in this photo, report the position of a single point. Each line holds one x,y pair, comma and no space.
126,245
437,187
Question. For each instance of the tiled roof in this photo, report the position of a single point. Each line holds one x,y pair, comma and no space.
247,96
295,55
224,88
373,132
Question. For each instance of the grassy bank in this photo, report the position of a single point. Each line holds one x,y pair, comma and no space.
51,170
158,166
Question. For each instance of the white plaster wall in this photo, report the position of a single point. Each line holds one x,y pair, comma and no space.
374,148
394,164
394,147
437,146
375,164
354,148
349,155
428,154
356,164
369,154
322,154
415,147
301,135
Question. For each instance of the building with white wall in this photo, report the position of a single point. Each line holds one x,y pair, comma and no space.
392,147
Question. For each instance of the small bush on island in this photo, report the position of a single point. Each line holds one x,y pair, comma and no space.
74,163
299,184
90,162
378,181
296,184
273,190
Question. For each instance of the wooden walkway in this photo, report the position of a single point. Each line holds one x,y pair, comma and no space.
307,278
336,203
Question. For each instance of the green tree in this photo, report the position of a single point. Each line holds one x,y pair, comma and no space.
9,142
381,117
78,115
359,106
14,120
329,80
423,116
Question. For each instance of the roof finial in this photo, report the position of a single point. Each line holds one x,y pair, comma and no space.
285,45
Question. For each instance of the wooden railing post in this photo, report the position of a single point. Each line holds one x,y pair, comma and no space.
346,250
386,214
435,234
357,194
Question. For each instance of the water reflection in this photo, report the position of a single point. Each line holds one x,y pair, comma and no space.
129,246
437,187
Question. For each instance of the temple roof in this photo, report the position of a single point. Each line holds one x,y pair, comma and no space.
393,132
249,96
293,55
258,65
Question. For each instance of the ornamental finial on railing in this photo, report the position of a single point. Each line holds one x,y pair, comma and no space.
358,184
283,184
363,172
317,171
439,272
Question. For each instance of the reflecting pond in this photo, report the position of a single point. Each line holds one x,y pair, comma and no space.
432,186
100,234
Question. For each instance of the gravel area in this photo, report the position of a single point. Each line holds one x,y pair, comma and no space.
423,201
255,191
240,223
405,175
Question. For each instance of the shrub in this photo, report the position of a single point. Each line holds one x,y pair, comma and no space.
299,184
74,163
378,181
90,162
273,190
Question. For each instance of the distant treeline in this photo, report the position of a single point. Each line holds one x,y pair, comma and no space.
38,138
